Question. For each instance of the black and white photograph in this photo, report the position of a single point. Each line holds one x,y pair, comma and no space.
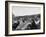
25,21
24,18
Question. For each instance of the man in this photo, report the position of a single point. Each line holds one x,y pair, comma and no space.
15,25
33,25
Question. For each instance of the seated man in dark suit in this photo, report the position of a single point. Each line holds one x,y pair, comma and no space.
33,25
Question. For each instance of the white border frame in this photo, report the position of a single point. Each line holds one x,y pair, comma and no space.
24,31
